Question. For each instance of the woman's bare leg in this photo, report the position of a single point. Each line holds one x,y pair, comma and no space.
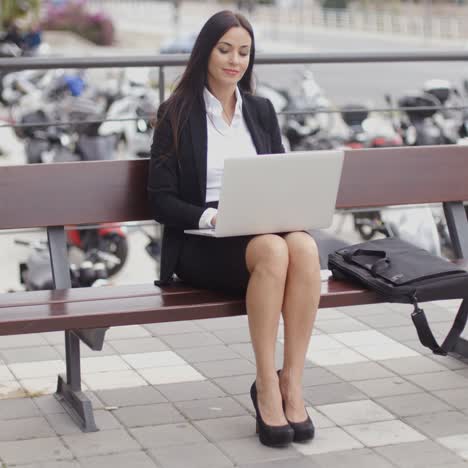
267,262
301,298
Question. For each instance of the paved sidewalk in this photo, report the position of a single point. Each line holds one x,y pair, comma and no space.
176,395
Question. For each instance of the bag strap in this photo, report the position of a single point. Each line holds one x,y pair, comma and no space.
427,338
383,258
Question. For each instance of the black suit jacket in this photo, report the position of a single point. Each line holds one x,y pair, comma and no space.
177,184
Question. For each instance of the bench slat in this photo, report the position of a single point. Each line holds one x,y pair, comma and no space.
155,308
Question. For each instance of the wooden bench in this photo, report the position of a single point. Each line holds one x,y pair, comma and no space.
56,195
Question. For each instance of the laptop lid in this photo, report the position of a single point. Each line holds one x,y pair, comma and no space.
279,193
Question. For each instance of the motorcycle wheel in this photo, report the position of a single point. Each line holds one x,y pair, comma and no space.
115,245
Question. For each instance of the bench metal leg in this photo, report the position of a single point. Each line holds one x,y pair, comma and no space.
69,392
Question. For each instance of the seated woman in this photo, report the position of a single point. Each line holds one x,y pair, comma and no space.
212,115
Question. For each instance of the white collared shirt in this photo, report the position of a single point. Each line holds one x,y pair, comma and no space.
224,141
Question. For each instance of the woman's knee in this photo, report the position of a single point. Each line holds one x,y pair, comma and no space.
303,251
268,253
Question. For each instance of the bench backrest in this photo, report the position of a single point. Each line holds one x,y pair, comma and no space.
115,191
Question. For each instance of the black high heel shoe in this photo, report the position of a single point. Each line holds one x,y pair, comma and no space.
272,436
303,430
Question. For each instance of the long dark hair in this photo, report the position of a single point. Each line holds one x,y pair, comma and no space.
189,90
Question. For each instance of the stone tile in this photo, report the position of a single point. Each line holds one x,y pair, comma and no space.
173,328
172,374
93,365
362,458
302,462
40,386
233,335
190,391
347,324
18,408
25,428
48,404
246,402
360,371
418,455
320,421
235,385
54,464
11,389
382,321
440,424
207,353
63,424
332,439
229,367
404,333
386,351
210,408
223,323
355,412
330,313
139,345
200,455
54,338
107,350
458,443
333,357
412,365
413,405
237,427
386,387
115,379
120,460
318,376
100,443
370,309
416,345
31,370
362,338
245,350
35,353
250,450
33,451
119,397
191,340
439,380
148,415
323,343
448,361
127,331
22,341
332,393
182,433
156,359
384,433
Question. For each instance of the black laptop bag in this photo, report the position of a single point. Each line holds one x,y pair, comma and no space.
402,272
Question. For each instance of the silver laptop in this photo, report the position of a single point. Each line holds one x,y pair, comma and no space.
277,193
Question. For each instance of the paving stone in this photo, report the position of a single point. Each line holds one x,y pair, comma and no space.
246,402
318,376
236,427
384,433
85,352
355,412
191,340
93,365
319,420
139,345
358,458
36,353
11,389
403,333
190,391
245,350
233,335
148,415
198,456
100,443
119,397
439,380
332,393
456,397
48,404
295,462
334,357
250,450
115,379
386,320
210,408
126,332
347,324
53,464
441,424
384,351
448,361
412,365
167,434
458,443
173,328
207,353
31,370
63,424
418,455
418,347
120,460
368,309
413,405
18,408
360,371
386,387
235,385
223,323
25,428
362,338
22,341
224,368
332,439
33,450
